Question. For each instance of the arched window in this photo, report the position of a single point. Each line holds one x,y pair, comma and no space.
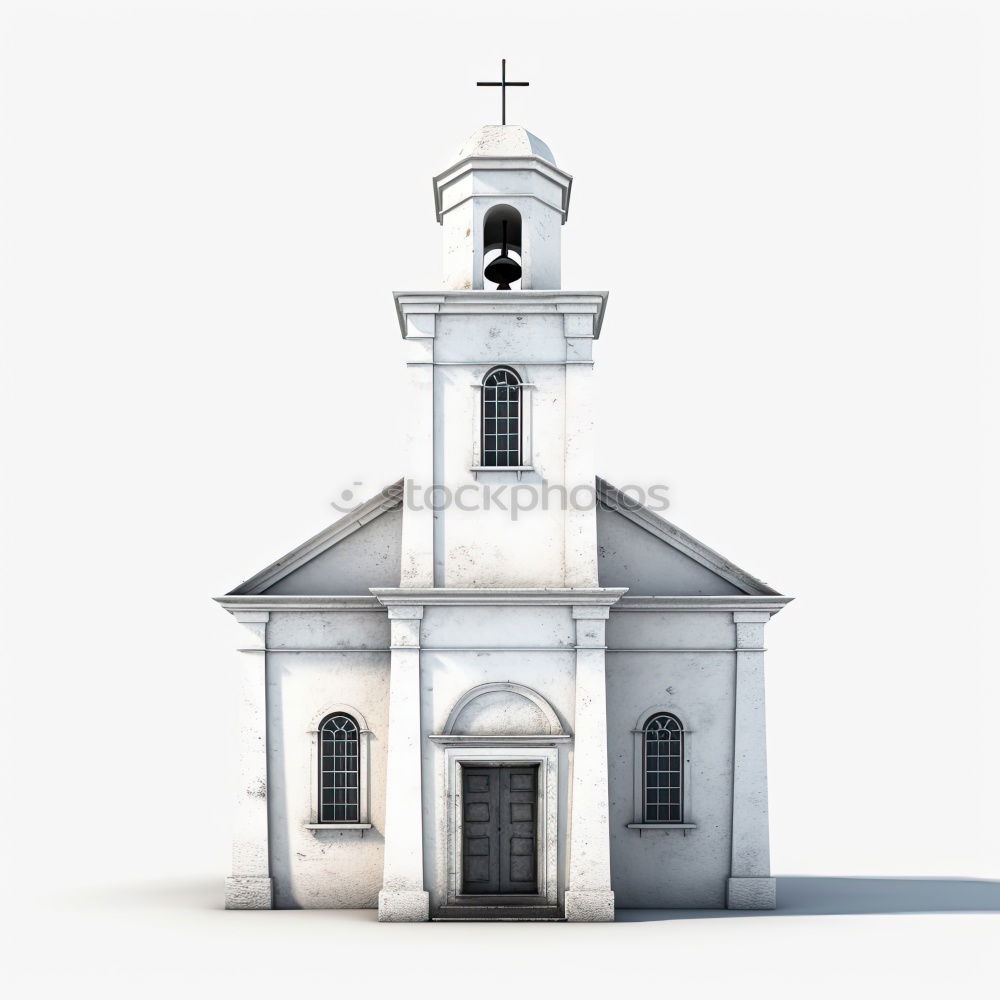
663,769
501,418
338,770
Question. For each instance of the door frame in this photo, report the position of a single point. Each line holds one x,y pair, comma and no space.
547,819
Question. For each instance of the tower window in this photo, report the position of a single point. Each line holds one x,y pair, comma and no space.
501,418
339,770
663,769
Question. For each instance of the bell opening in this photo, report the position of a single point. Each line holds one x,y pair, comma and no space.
502,249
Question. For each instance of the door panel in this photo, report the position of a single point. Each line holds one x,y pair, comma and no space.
481,834
499,806
518,804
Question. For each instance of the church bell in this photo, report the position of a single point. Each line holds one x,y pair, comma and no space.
503,269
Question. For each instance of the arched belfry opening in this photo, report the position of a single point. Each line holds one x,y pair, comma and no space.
502,174
502,260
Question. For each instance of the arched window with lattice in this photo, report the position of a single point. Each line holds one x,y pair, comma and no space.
501,419
663,769
339,770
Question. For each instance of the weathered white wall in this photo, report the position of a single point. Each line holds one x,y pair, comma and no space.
675,869
318,868
344,869
656,869
486,547
446,677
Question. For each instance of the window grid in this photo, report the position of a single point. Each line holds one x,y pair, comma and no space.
338,770
663,769
501,419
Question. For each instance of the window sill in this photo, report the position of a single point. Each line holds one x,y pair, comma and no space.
338,826
476,469
666,827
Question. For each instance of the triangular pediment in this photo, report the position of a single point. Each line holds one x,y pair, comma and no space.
653,557
359,551
637,549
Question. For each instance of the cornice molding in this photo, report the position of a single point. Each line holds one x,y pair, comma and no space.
466,166
494,596
613,597
287,602
444,740
517,302
727,602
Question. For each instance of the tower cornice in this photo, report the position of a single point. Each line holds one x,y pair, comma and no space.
486,164
512,303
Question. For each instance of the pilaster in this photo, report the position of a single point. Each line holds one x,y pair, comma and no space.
249,886
417,569
750,886
580,526
403,897
589,896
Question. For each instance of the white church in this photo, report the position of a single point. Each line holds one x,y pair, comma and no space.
450,713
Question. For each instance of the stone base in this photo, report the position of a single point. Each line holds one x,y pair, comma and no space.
590,906
750,893
403,906
248,892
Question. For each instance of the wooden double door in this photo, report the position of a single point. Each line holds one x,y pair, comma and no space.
499,830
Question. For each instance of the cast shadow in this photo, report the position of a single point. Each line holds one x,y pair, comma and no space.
807,895
188,895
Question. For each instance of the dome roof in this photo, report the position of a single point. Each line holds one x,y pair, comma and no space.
504,140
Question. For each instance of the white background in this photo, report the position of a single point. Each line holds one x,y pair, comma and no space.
205,207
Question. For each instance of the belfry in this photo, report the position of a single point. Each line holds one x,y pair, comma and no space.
502,688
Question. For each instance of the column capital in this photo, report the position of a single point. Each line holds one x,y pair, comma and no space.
751,617
252,617
591,611
408,612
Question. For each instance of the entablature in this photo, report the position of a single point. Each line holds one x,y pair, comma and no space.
492,596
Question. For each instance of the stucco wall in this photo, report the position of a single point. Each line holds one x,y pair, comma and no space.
675,869
321,869
483,546
344,869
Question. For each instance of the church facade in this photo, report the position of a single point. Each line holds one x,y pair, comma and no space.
452,712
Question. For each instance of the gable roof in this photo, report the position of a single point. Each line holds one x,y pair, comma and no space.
610,497
390,498
614,499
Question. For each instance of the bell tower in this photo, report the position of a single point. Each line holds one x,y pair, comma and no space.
504,179
500,483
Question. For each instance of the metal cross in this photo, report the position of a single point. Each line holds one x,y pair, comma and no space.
503,83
